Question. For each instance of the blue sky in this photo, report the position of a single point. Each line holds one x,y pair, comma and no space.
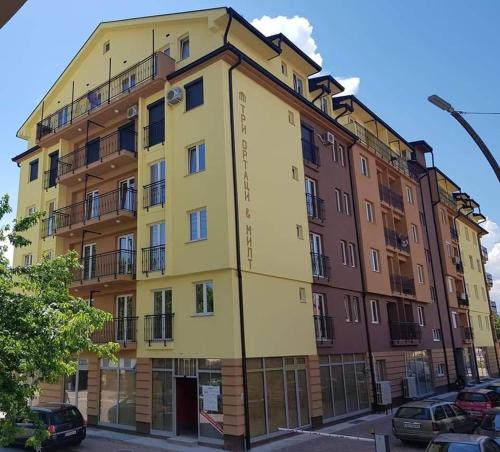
401,51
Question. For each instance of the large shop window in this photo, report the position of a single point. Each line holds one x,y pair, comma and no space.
278,395
162,407
117,401
75,387
344,384
211,418
418,365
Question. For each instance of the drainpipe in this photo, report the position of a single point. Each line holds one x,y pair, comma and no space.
434,282
363,277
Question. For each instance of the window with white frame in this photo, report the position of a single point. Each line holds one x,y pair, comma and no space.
440,370
284,68
335,154
467,233
347,204
420,273
324,105
196,158
364,166
471,262
30,210
483,293
414,233
352,254
343,252
28,260
351,306
480,322
420,315
375,260
454,319
375,311
476,291
184,48
478,266
342,156
436,334
409,194
370,217
451,284
298,84
448,249
204,297
338,200
198,225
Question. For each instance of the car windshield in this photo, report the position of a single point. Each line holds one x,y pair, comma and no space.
67,416
413,412
491,422
453,447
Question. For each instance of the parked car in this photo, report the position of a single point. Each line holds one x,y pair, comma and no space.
490,425
477,401
64,422
494,387
454,442
425,419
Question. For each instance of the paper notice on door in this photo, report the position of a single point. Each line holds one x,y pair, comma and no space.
210,397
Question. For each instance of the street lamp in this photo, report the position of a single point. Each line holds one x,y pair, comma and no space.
446,106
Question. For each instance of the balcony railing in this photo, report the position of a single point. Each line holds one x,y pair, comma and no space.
122,330
381,149
120,84
447,199
467,334
48,226
159,328
121,140
323,326
463,299
403,284
94,207
454,234
310,152
405,333
315,207
154,133
49,178
320,266
484,253
391,197
489,280
153,259
396,240
154,194
113,263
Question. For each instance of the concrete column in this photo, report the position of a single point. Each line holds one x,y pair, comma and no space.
94,385
316,403
143,385
232,404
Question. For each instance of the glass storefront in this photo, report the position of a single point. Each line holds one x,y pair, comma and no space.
344,385
76,387
211,419
117,398
277,394
162,407
418,365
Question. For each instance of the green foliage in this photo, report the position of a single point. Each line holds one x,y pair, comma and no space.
42,327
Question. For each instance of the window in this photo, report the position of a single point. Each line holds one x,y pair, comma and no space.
480,322
338,200
105,47
343,252
414,233
347,204
375,311
440,370
375,260
451,284
291,118
295,173
420,315
284,69
483,293
324,105
155,192
204,298
352,254
300,232
364,166
467,233
420,273
476,292
198,225
298,84
335,154
443,215
351,306
155,131
342,156
454,320
448,249
471,262
409,194
369,212
184,48
478,266
30,210
474,239
196,158
302,295
33,170
380,370
28,260
194,94
487,322
436,334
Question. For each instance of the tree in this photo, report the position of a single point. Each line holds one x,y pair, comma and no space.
43,327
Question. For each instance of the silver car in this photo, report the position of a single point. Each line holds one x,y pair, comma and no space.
490,424
462,443
423,420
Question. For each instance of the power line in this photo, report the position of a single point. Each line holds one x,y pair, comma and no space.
478,112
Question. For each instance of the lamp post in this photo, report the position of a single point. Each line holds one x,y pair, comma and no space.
446,106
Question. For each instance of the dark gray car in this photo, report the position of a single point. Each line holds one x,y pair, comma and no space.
462,443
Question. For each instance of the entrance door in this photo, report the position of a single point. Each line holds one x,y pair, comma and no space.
53,164
157,193
187,406
317,250
126,254
162,310
89,261
124,331
127,198
311,198
93,151
127,137
319,311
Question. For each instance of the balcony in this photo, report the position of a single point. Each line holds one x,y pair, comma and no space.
116,149
489,280
153,194
467,334
111,207
320,266
315,207
154,133
323,326
396,240
310,153
106,268
153,259
159,328
463,299
101,102
405,333
484,254
457,261
390,197
454,234
122,330
447,199
403,285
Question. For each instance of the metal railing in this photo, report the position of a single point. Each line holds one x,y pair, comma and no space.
48,226
454,233
403,284
489,280
120,84
159,328
323,325
405,333
447,199
463,299
315,207
154,133
121,329
310,152
49,178
120,140
396,240
389,196
484,253
153,194
94,207
153,259
112,263
320,266
467,334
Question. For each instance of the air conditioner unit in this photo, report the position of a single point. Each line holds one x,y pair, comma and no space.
132,111
174,96
409,388
328,138
384,396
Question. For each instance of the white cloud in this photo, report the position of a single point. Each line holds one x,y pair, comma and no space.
492,242
299,30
